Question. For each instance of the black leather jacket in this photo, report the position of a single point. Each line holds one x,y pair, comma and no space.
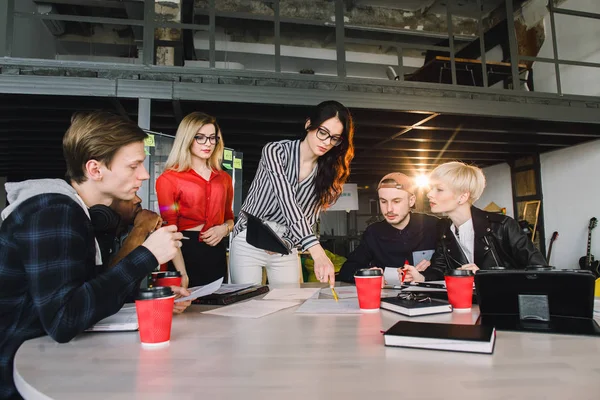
499,241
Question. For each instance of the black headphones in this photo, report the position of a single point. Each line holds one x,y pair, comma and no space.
104,219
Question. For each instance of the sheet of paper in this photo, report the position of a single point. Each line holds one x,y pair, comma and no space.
199,291
343,292
124,320
231,287
252,308
291,294
326,306
421,255
390,275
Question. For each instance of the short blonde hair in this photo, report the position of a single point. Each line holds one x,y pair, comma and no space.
180,157
96,135
461,178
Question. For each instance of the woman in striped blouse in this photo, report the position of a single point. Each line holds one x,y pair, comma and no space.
295,180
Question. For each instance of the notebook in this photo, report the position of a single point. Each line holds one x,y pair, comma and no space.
224,299
413,308
435,336
538,301
260,235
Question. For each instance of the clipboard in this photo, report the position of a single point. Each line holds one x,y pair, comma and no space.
260,235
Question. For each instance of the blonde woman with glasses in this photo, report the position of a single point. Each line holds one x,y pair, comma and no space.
195,194
470,238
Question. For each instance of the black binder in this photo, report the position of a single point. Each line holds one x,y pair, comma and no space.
260,235
233,297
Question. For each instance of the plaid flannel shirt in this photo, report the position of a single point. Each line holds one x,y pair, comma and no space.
49,283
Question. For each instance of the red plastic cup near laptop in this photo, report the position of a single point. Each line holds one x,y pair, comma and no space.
459,284
368,287
167,278
154,308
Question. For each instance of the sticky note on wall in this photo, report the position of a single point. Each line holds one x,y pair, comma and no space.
237,163
149,141
227,155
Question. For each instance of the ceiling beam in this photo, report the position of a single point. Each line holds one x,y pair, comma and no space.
402,132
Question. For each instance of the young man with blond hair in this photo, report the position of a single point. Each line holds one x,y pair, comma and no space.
49,257
393,242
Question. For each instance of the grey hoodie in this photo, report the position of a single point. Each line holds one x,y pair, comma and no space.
18,192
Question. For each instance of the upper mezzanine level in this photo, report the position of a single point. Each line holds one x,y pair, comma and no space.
460,56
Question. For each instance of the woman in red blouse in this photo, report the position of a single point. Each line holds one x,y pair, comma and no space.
196,195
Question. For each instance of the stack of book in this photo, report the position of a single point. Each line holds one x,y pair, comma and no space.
414,307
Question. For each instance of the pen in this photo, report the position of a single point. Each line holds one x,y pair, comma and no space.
335,296
185,237
404,271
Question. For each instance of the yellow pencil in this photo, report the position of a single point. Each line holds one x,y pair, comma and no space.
335,296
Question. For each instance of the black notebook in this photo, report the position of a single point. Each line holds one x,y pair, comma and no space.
434,336
260,235
412,308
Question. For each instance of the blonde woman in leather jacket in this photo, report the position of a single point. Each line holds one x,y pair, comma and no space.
472,239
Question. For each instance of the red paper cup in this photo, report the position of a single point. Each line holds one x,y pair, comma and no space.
154,308
368,287
167,278
459,284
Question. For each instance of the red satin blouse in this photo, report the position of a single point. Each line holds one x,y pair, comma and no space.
188,200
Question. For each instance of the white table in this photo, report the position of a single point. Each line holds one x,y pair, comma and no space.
290,356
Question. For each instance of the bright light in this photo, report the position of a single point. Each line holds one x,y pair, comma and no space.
421,180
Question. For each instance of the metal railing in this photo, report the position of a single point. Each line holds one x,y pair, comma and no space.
149,23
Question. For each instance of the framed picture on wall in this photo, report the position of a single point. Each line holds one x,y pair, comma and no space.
531,212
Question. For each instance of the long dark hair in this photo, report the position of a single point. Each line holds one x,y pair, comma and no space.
333,166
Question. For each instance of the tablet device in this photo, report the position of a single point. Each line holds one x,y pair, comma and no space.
260,235
537,301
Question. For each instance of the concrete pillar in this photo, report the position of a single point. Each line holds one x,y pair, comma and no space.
144,113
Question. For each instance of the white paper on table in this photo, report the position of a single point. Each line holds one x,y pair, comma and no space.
290,293
390,275
252,308
232,287
326,306
124,320
199,291
343,292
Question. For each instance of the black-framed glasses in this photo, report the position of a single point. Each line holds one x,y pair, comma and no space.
323,134
418,297
202,139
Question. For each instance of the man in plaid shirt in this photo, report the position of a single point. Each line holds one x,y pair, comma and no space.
49,258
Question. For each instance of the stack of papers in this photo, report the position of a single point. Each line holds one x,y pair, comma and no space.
124,320
252,308
343,292
232,287
325,306
291,294
199,291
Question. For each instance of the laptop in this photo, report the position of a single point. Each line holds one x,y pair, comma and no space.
550,301
260,235
232,297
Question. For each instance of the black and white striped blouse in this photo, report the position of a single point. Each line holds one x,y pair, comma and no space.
276,195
